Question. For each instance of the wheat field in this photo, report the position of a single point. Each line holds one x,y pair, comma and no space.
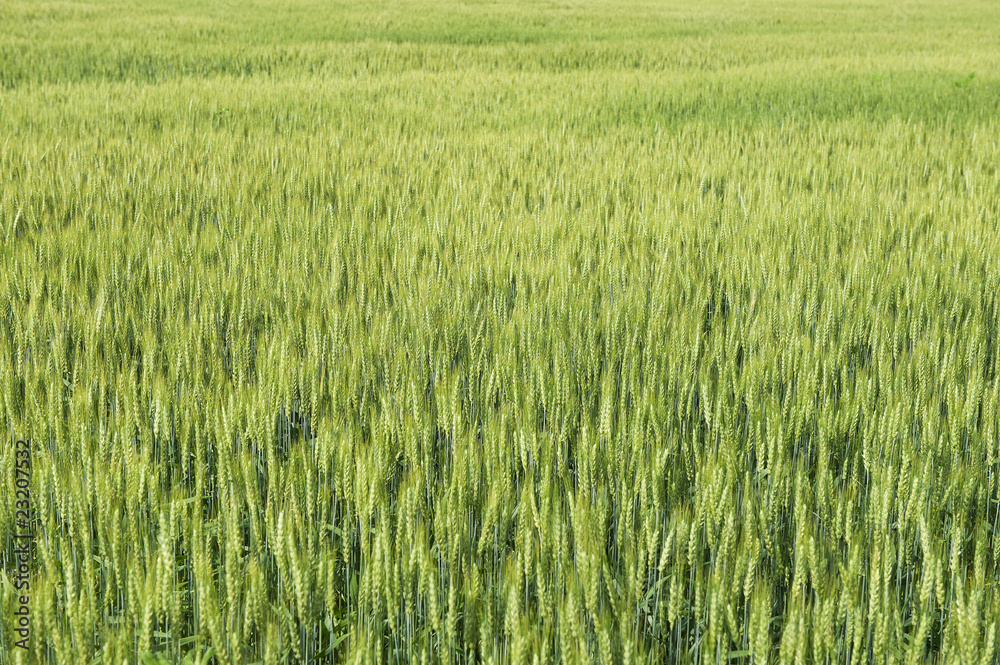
573,331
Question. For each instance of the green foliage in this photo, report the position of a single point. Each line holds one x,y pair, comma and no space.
502,332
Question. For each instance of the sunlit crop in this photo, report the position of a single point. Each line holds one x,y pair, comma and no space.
502,332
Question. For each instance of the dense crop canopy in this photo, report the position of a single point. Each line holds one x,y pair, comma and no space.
502,332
